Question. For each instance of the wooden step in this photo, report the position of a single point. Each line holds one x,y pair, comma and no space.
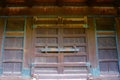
62,76
59,79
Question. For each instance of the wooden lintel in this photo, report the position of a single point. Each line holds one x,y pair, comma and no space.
60,3
36,11
61,26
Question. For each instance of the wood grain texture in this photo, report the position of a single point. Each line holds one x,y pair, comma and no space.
28,50
92,43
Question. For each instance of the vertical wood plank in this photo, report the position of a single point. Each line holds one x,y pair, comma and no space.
92,43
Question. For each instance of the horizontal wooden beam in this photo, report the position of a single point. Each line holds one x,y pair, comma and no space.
60,3
37,11
29,3
3,3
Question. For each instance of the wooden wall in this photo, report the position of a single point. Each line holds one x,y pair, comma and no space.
29,47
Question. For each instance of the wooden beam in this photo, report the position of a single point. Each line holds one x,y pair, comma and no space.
3,3
29,3
36,11
59,3
90,2
116,5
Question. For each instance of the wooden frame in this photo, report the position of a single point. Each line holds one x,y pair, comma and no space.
14,34
61,22
107,34
59,53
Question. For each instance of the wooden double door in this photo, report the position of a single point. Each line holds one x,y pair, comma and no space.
60,53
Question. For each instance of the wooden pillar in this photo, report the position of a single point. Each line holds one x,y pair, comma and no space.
118,37
1,39
92,47
27,47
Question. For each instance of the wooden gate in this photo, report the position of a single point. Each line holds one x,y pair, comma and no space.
60,53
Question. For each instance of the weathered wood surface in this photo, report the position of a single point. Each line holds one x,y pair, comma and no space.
58,11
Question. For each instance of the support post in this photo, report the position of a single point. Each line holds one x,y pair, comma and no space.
92,47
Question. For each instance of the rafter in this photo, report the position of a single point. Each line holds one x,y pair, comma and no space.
90,2
29,3
59,3
3,3
116,5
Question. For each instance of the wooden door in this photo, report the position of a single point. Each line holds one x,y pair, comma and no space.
60,53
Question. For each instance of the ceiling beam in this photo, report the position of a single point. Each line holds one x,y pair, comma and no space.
59,3
57,11
3,3
29,3
116,5
90,2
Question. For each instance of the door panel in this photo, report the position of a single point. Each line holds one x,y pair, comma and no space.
61,52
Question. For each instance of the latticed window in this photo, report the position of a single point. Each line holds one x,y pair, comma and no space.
13,46
107,47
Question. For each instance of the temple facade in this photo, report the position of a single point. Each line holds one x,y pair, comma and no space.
60,40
